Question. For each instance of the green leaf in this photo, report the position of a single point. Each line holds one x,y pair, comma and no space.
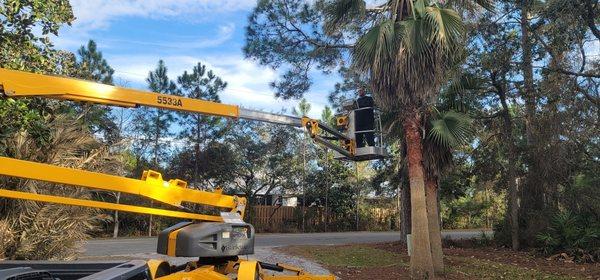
447,28
450,129
378,46
420,7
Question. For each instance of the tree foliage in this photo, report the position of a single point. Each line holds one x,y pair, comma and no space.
197,129
154,125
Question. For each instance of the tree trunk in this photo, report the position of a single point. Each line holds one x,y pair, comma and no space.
405,223
513,203
357,202
397,221
533,194
435,235
197,151
327,183
303,185
156,147
421,263
116,218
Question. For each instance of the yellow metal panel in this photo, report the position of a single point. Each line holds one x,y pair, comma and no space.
172,243
23,84
155,265
248,270
299,274
106,205
154,187
297,277
201,273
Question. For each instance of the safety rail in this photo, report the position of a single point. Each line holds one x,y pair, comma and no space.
378,131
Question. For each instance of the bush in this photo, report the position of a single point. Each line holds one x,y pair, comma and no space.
576,235
32,230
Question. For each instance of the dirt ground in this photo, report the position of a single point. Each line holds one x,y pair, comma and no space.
461,263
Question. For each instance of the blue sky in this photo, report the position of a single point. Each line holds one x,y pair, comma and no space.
134,35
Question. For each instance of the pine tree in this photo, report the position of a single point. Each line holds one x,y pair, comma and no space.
90,65
153,125
198,128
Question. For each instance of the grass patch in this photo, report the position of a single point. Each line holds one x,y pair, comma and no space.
349,256
484,269
377,262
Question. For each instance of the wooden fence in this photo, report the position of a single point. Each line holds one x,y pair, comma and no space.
272,218
289,219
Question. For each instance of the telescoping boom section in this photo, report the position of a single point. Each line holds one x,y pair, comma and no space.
17,84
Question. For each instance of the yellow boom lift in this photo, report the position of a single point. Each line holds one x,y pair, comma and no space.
216,240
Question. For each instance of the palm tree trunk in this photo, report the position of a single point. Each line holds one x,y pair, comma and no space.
421,263
435,235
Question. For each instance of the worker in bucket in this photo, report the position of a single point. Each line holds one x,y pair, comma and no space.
364,124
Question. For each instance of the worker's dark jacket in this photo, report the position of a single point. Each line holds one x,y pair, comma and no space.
364,119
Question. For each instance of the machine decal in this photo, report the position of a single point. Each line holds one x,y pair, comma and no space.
166,100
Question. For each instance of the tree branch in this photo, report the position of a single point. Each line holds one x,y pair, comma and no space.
589,18
305,36
587,74
492,116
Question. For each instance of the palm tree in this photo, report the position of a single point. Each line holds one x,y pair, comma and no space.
406,53
445,131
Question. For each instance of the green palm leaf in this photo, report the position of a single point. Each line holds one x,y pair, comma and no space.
378,46
416,36
447,28
450,129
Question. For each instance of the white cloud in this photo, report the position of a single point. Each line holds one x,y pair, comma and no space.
224,34
248,82
95,14
73,38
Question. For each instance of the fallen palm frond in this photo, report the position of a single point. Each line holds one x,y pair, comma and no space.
33,230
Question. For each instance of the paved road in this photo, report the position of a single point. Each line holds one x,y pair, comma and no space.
128,246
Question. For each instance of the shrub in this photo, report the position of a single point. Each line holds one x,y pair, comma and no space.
42,231
576,235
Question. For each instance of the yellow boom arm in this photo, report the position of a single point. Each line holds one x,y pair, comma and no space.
152,186
22,84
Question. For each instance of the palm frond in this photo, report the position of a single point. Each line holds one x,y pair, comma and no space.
419,7
338,13
416,36
453,95
450,129
446,26
377,46
51,231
